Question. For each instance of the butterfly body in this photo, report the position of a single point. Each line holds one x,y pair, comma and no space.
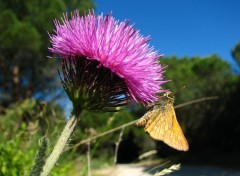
161,123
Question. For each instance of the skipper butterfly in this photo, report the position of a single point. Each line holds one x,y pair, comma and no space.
160,123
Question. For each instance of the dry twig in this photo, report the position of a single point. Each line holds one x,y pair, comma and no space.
117,145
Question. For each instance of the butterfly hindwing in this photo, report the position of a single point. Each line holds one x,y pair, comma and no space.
147,118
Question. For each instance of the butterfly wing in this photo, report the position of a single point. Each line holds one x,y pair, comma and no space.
163,125
147,118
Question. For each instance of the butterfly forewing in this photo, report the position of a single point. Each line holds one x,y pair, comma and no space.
166,128
161,124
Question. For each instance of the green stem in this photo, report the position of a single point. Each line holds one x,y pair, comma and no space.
58,149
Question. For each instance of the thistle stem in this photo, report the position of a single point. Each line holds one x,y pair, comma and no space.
58,149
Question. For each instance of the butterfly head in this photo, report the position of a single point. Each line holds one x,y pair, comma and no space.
168,96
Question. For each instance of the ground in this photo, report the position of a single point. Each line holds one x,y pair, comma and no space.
186,170
123,170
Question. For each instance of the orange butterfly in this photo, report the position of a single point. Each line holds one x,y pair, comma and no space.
161,123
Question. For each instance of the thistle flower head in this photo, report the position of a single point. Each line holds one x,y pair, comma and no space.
113,45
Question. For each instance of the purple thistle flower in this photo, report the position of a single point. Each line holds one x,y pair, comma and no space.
116,46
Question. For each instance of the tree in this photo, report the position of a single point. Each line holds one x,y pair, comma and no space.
236,53
24,69
211,125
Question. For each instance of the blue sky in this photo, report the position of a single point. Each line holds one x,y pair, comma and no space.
182,27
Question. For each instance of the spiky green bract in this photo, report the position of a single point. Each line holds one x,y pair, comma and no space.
91,86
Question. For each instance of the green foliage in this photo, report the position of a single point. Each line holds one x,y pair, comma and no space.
21,127
210,124
37,115
13,160
104,147
100,122
202,76
24,69
236,53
